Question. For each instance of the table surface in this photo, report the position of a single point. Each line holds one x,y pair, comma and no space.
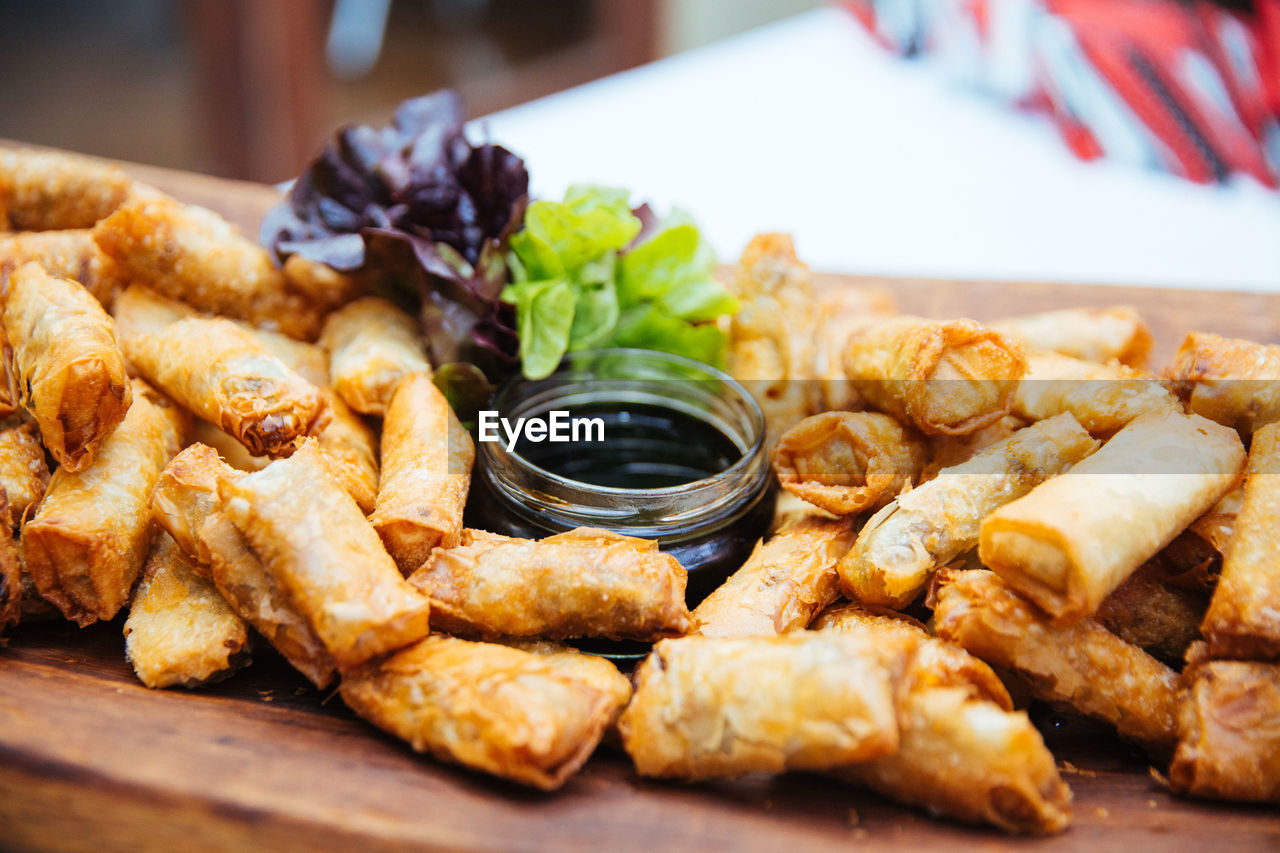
883,166
92,760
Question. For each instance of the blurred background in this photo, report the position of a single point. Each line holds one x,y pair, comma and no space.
1125,141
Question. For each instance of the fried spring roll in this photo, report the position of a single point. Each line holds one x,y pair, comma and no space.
1234,382
11,588
49,191
64,254
950,377
839,315
222,373
785,582
181,631
24,475
708,707
1074,539
187,505
963,751
1244,615
583,583
846,462
321,283
522,716
1229,732
316,544
372,345
1103,397
192,254
1158,608
88,539
1100,335
66,363
946,451
426,472
1083,666
901,546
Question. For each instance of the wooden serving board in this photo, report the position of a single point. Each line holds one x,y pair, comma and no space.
91,760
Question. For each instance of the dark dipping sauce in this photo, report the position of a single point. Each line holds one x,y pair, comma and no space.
644,447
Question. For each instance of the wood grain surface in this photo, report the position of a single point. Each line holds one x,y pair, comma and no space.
91,760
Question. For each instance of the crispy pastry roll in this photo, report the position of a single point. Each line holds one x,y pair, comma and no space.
583,583
11,587
1082,666
785,582
592,669
180,629
708,707
840,313
963,751
372,345
1229,732
1100,335
1074,539
66,362
187,505
1234,382
192,254
946,451
314,541
24,475
321,283
222,373
426,472
88,539
950,377
49,191
64,254
1244,616
523,716
1103,397
846,462
901,546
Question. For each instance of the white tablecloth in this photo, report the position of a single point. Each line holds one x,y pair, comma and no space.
882,166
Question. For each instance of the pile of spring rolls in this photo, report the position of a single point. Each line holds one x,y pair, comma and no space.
238,454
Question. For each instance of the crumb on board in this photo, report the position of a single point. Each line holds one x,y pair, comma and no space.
1101,813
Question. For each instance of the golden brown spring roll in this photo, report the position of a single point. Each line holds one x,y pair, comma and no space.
951,377
963,751
11,587
49,190
1232,381
186,504
24,475
222,373
1229,732
321,283
192,254
1100,335
1103,397
1244,616
708,707
66,362
841,313
316,544
1074,539
501,710
785,582
88,539
846,462
946,451
583,583
181,631
372,345
901,546
64,254
426,472
1082,666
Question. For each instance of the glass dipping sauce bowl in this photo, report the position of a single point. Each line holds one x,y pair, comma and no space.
709,524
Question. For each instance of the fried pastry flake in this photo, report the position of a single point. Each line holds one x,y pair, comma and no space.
901,546
1075,538
87,541
531,718
50,190
583,583
846,462
372,345
181,631
65,361
1100,335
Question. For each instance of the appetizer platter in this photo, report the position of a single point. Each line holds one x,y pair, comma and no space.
1020,579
